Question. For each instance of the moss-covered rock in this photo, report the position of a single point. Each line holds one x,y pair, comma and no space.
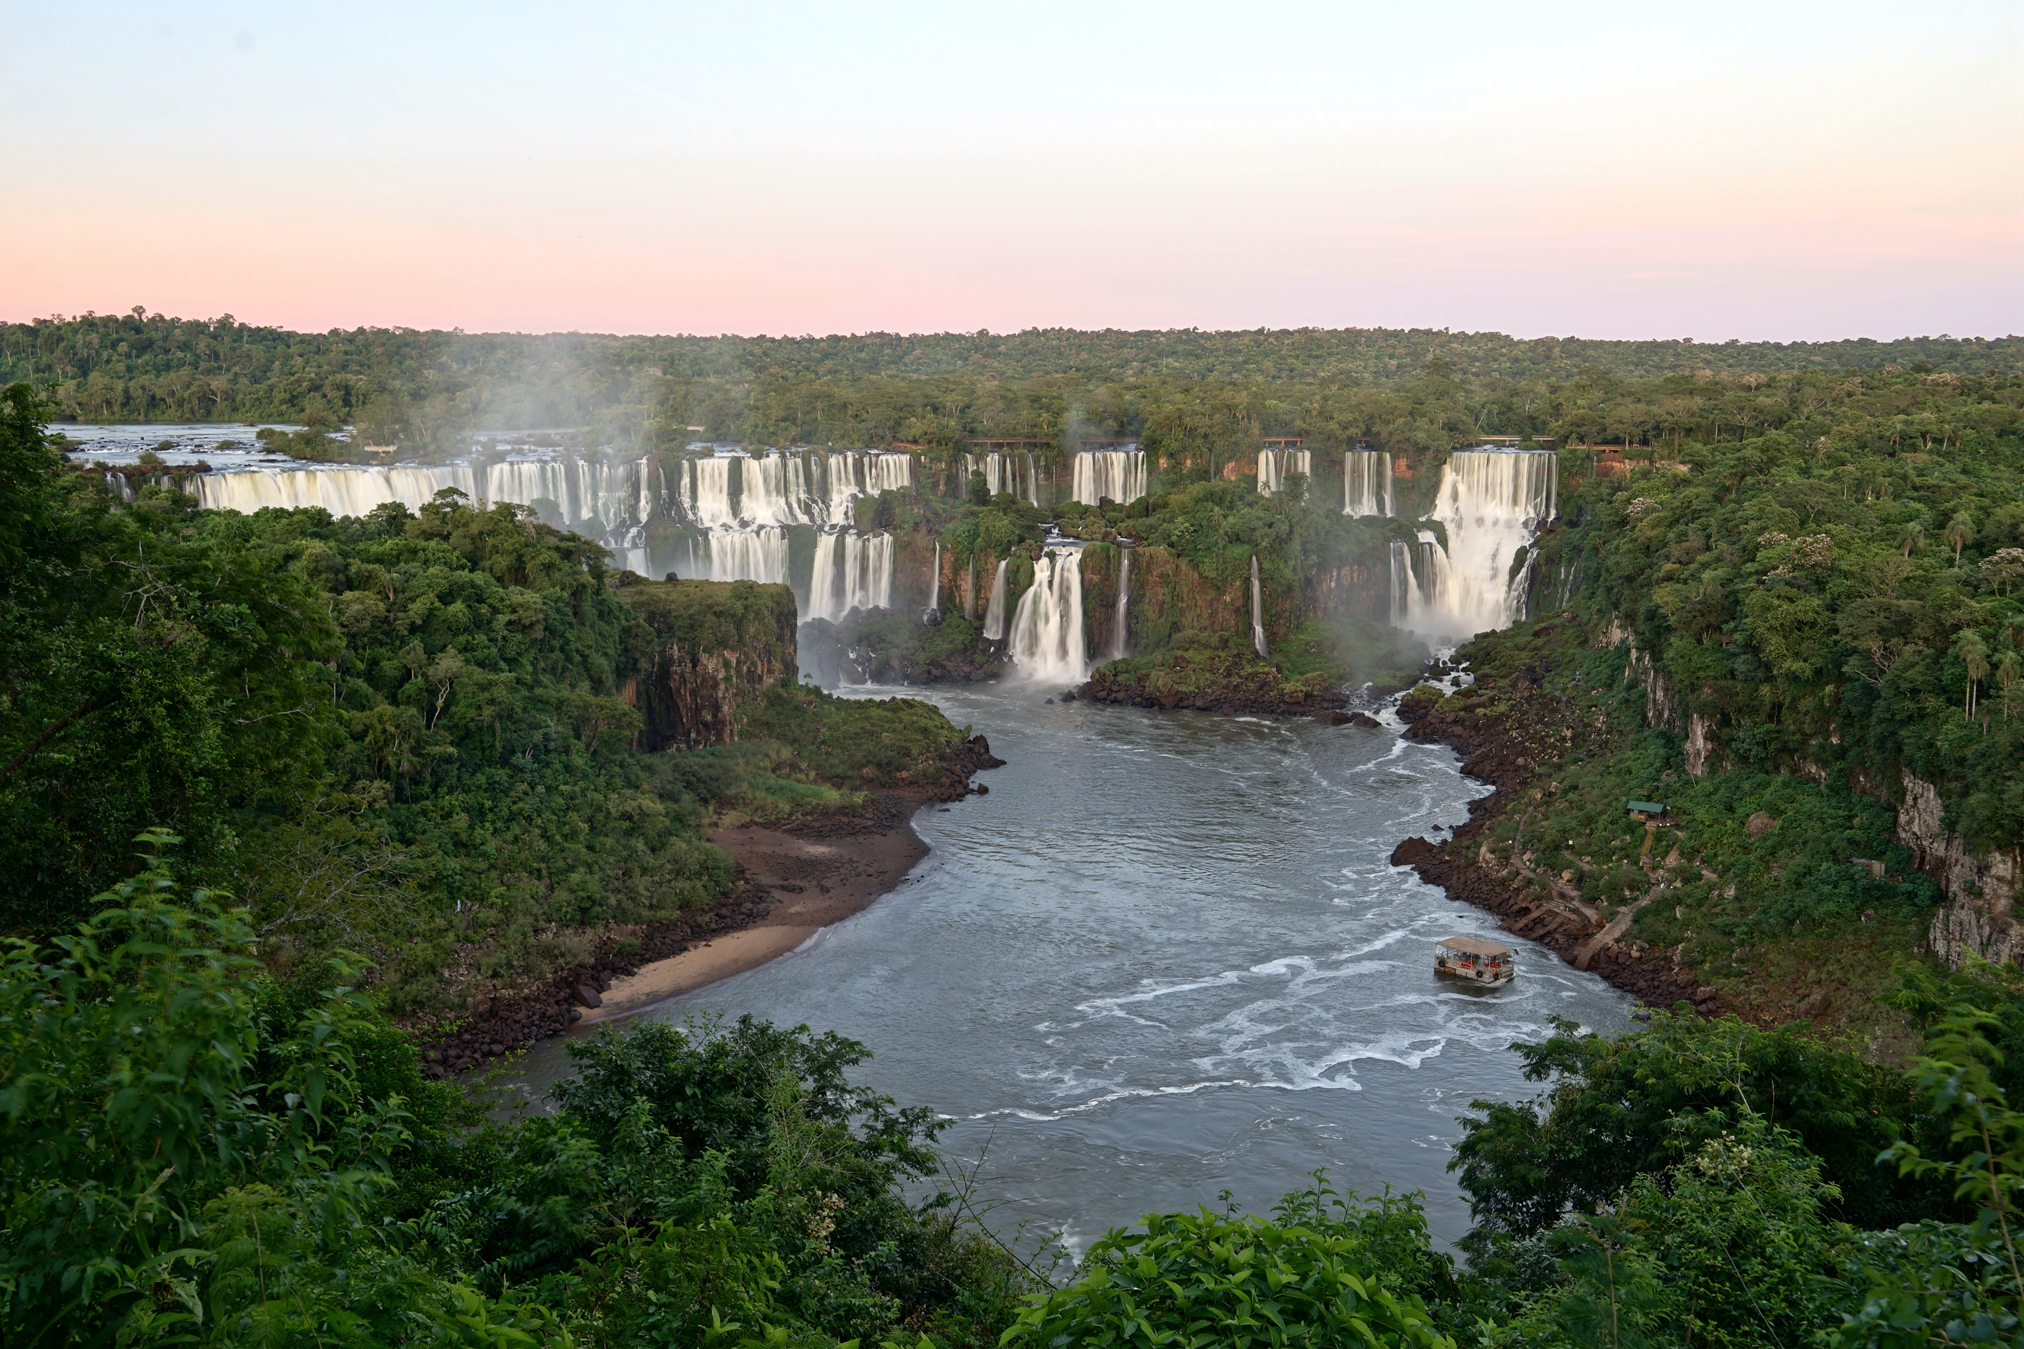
1212,672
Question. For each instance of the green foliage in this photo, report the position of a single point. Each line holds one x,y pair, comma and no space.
150,673
873,741
1725,1248
186,1157
1785,586
1325,1270
1217,527
1636,1104
407,733
1184,389
1350,652
196,1154
1213,666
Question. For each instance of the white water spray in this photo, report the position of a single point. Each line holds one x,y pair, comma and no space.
1258,613
994,612
1490,502
1117,639
1367,482
736,555
935,581
1275,465
1047,637
1002,474
1119,475
852,571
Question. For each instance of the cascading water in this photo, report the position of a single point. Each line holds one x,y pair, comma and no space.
994,612
1367,482
735,555
851,474
935,581
852,571
1117,639
1116,475
1490,502
1275,465
611,500
775,490
1048,641
1258,613
1001,474
738,505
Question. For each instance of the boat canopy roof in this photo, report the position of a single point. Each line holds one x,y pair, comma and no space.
1475,946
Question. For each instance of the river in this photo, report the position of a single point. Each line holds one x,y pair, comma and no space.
1165,956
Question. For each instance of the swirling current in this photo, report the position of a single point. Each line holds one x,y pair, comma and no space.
1167,956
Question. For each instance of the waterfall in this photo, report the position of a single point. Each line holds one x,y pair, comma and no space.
1258,613
1274,465
888,472
1491,502
850,474
994,612
611,499
970,591
852,571
720,491
773,490
1367,482
706,491
935,581
1001,474
1117,640
1119,475
737,555
1047,637
843,486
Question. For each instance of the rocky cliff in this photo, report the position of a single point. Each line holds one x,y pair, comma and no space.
715,645
1978,919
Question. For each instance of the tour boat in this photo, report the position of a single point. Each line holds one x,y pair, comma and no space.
1475,960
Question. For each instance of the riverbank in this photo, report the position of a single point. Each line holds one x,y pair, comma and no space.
814,872
1506,748
794,877
1736,889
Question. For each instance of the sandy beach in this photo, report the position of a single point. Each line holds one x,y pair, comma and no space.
809,882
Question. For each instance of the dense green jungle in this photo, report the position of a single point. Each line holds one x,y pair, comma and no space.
282,791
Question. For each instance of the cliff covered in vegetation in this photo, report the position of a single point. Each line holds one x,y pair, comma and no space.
435,738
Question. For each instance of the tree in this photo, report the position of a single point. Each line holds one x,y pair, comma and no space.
1974,654
1960,533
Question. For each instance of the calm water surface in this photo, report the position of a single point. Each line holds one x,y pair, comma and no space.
1165,956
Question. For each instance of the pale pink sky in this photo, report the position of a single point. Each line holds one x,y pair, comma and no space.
1782,172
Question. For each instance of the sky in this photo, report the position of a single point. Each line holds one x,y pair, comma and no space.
1764,170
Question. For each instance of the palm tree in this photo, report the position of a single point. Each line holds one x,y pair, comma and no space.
1975,656
1960,533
